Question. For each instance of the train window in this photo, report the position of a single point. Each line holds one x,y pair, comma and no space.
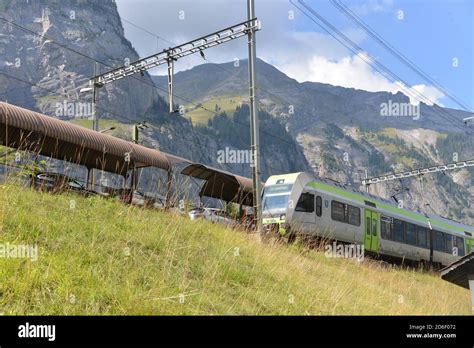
374,227
345,213
367,225
305,203
353,215
338,211
410,234
319,205
422,237
386,227
398,230
460,246
449,243
439,241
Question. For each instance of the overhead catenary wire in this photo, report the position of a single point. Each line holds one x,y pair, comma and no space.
364,56
150,83
399,55
259,88
123,117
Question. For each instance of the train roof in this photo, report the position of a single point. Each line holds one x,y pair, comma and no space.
383,204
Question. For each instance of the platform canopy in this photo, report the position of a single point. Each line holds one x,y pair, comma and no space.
460,272
221,184
31,131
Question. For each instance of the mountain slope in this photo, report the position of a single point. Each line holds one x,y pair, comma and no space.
70,37
53,46
344,135
309,100
98,256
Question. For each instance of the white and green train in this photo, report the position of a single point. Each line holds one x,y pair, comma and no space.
300,203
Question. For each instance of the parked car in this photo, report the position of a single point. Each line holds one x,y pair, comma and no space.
57,182
212,214
146,200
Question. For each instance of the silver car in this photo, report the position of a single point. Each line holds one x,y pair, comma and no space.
212,214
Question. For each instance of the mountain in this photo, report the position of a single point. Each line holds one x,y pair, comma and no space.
48,53
50,49
54,45
309,100
344,135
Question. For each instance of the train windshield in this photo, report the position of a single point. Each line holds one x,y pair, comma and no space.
275,202
275,198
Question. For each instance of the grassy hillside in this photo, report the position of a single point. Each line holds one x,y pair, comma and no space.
98,256
198,115
121,130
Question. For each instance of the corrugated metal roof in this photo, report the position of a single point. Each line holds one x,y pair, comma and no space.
458,272
221,184
27,130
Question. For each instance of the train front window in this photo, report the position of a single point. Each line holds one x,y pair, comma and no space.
275,202
275,197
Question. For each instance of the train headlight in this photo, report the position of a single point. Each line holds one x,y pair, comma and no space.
282,216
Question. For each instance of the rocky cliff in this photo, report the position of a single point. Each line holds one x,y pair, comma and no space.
51,48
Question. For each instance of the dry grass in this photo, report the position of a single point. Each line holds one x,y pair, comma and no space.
102,257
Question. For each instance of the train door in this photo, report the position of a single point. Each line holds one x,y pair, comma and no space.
371,234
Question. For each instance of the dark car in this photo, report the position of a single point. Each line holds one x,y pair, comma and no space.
56,182
141,199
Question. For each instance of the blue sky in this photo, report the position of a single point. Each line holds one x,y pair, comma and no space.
432,33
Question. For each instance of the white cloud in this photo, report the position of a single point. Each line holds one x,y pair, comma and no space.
372,6
303,55
353,72
432,93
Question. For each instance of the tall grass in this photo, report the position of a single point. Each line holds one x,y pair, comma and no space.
98,256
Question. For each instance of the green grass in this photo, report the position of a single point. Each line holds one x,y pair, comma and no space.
121,130
102,257
200,116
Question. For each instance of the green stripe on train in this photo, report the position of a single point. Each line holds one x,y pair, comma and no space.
387,207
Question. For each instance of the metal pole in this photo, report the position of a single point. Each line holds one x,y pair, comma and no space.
168,190
135,134
95,96
255,147
170,83
95,118
366,177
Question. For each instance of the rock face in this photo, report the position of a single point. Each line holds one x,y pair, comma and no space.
344,134
336,132
60,57
51,50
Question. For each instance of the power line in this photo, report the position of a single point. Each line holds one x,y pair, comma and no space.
358,51
356,19
121,116
419,172
151,83
223,69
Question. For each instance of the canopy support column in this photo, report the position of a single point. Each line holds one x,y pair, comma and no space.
168,189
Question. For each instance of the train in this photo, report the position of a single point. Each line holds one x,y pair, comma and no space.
302,204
